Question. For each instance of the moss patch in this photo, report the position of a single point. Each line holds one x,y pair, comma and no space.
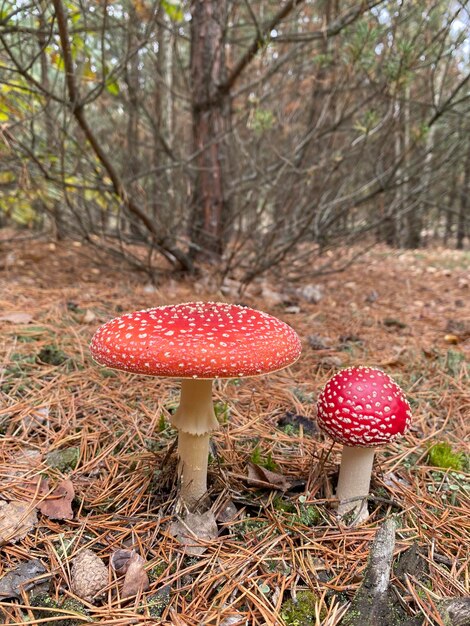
47,607
301,612
442,455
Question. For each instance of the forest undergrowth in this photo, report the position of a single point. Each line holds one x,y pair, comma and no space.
88,457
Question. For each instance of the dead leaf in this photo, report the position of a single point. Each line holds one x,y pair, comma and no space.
88,317
131,564
22,578
58,505
193,530
17,317
120,561
136,579
261,477
16,520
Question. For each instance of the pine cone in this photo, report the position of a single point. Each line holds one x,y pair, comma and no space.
89,576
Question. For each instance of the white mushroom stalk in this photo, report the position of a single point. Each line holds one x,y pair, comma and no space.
195,420
354,482
196,342
362,408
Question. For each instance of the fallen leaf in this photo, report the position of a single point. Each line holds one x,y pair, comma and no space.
22,578
88,317
17,317
120,561
16,520
57,505
261,477
131,564
89,576
136,579
194,529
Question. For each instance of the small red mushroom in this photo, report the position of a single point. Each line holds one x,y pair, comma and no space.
361,407
196,342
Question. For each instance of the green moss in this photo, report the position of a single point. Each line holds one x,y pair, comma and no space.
158,601
31,333
222,412
249,526
279,504
156,571
63,460
47,607
308,516
442,455
107,373
453,362
301,612
52,355
267,462
290,429
162,423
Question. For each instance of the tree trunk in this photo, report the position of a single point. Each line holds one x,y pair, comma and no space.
132,166
53,208
464,204
163,184
211,122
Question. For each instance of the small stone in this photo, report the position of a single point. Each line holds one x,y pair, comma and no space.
330,362
293,309
372,296
311,293
317,343
149,288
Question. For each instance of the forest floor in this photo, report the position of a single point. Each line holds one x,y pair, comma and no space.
101,443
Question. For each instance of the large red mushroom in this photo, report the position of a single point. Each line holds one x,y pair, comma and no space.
361,407
196,342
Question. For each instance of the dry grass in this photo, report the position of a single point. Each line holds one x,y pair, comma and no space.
277,544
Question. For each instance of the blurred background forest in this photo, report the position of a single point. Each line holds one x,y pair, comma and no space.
250,134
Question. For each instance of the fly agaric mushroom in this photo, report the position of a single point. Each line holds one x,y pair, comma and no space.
361,407
196,342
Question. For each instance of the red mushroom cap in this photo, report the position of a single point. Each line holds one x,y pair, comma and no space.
196,340
363,406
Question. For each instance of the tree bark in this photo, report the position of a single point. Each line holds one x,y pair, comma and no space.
132,105
211,122
464,204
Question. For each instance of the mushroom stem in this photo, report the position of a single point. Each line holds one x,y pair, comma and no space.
194,419
193,453
354,481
